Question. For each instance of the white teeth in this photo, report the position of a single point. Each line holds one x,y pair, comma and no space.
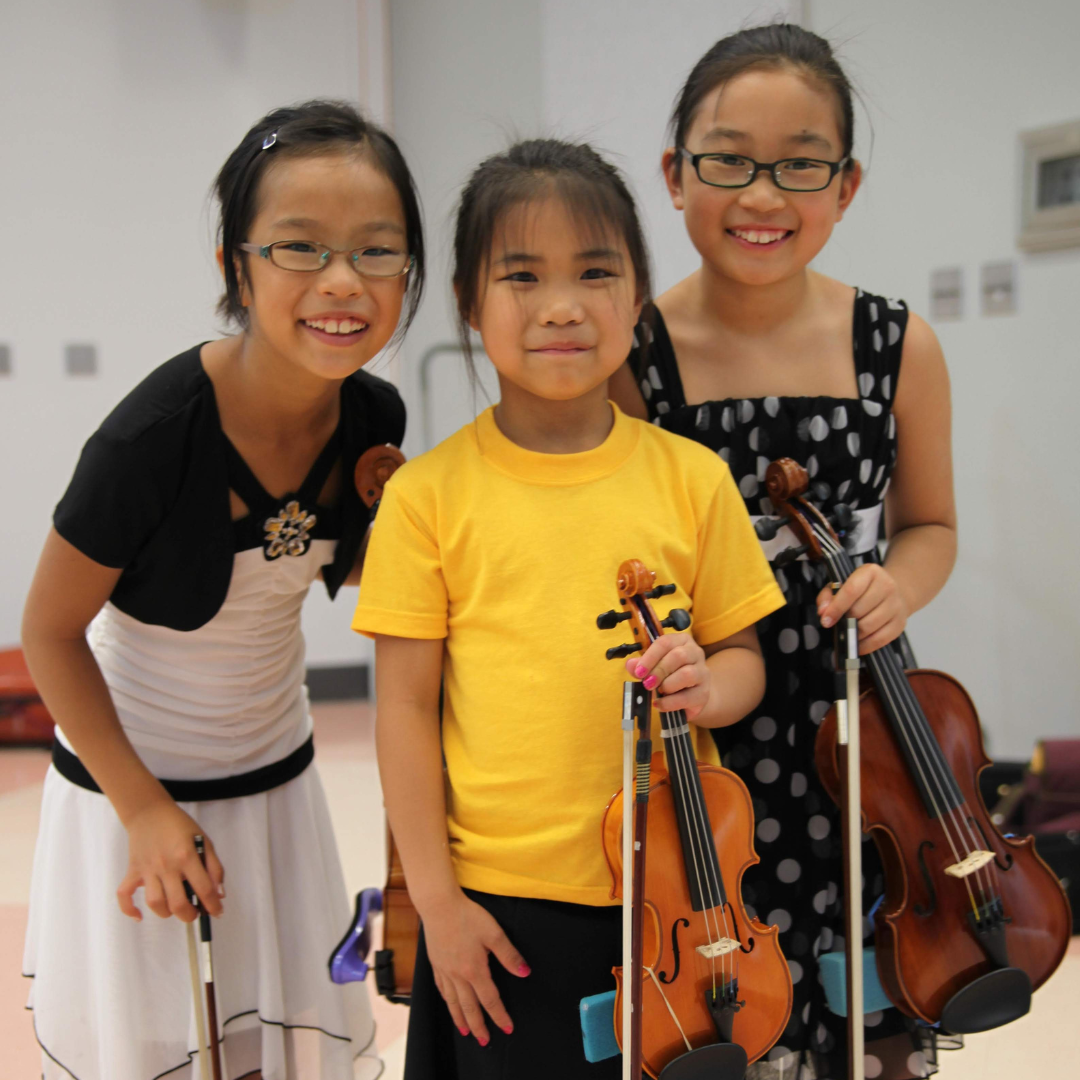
336,326
756,237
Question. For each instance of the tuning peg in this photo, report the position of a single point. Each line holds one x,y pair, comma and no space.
610,619
660,590
678,619
619,651
843,517
789,555
767,528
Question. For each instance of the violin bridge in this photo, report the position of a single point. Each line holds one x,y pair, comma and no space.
718,948
969,864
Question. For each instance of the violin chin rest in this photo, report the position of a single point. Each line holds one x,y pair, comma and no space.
720,1061
993,999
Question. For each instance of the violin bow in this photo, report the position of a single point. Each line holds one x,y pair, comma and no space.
196,992
784,481
206,955
847,726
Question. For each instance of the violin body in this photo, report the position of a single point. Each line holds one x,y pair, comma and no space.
926,946
673,931
395,961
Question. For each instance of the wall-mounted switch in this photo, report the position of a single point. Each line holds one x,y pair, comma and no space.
80,359
947,293
998,281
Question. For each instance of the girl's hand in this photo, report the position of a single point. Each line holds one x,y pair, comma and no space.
872,596
460,934
161,855
675,663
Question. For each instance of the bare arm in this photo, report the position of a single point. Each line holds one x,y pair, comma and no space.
717,685
459,933
920,508
67,592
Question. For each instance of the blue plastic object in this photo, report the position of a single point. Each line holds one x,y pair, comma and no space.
598,1026
834,977
348,962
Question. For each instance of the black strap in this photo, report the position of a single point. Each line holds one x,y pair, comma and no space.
226,787
257,499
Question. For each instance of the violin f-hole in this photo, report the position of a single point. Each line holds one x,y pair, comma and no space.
662,976
986,845
749,946
918,908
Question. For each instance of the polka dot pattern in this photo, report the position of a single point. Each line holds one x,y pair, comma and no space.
848,447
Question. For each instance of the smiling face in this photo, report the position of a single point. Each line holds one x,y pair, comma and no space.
331,322
558,303
759,235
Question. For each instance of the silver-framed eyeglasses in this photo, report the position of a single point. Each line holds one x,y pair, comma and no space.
738,171
308,257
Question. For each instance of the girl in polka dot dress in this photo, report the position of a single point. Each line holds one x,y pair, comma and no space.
757,357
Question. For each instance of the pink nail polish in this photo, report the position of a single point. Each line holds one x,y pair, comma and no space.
651,682
524,970
508,1030
640,671
463,1030
483,1042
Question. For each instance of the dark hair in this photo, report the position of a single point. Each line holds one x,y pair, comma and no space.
591,188
314,127
776,45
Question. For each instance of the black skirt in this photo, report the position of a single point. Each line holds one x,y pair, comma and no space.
571,949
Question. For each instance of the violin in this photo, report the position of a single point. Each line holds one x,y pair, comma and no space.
972,921
395,961
713,991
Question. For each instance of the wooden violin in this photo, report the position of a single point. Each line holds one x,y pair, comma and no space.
714,990
972,921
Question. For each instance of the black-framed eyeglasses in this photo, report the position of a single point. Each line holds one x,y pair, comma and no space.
307,257
737,171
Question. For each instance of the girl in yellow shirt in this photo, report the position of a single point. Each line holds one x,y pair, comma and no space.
491,556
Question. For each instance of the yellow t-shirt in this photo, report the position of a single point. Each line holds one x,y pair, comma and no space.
510,555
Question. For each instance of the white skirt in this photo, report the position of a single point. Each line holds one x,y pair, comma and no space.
112,997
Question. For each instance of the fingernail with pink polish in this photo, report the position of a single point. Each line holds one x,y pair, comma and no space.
524,970
483,1042
508,1030
640,671
463,1030
651,682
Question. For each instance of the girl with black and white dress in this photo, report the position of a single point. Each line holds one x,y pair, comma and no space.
199,515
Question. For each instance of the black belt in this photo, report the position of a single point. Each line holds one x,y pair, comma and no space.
226,787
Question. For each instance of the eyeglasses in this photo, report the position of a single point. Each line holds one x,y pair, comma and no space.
736,171
307,257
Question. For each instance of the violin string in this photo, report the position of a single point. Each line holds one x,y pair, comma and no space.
842,567
886,665
692,814
904,722
713,898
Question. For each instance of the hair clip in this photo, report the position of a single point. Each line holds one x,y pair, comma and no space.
269,140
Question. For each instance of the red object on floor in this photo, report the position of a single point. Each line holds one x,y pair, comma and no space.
24,720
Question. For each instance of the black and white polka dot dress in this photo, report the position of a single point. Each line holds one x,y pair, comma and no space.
848,447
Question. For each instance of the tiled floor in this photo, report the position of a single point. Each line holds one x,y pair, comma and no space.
1042,1045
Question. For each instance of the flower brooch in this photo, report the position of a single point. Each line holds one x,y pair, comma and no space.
290,532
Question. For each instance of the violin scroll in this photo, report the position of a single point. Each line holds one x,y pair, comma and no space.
636,585
375,466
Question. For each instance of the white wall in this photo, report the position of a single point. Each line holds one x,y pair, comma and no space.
949,87
118,114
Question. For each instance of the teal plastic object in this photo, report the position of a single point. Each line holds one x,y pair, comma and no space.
598,1026
834,977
